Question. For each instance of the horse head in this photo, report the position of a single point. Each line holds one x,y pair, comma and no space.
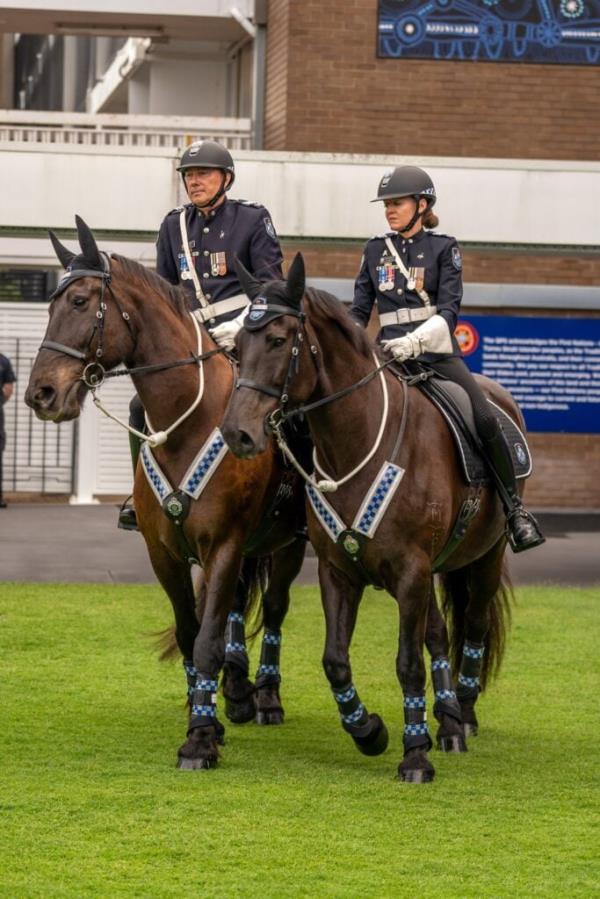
273,350
81,330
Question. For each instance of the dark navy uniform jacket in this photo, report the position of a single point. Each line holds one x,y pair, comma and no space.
7,376
436,262
235,228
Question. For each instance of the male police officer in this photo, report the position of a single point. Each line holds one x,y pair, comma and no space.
196,247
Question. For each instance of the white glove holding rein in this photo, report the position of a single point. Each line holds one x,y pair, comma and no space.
433,336
224,335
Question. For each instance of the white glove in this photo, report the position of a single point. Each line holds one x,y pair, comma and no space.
401,348
433,336
224,335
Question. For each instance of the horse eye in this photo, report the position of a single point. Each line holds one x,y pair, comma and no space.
79,300
278,341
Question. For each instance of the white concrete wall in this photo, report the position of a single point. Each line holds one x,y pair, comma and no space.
309,195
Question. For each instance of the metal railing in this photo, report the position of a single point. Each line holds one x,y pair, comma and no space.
108,130
39,456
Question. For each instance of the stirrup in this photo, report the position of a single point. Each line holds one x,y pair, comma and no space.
523,534
127,518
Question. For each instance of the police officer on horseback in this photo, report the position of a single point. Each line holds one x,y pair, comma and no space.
196,247
415,277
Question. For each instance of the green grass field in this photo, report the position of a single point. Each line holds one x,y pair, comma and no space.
92,805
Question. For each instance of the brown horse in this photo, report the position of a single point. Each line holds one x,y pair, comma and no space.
300,350
113,310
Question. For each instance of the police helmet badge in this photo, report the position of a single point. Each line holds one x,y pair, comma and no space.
258,309
456,259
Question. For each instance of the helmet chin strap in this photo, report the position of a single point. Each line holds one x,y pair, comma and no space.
218,194
415,217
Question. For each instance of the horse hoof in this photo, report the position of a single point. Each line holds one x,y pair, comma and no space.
240,712
377,741
195,764
416,775
454,743
470,730
270,716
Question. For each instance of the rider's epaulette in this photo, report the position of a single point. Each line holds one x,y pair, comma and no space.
381,236
177,209
247,203
438,234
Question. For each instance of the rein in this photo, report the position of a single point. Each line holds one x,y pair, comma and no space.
94,374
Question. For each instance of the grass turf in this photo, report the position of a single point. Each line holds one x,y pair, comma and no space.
91,804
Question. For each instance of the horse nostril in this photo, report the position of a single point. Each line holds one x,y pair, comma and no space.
44,397
245,441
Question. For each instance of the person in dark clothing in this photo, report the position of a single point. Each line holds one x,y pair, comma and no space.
415,277
196,247
7,381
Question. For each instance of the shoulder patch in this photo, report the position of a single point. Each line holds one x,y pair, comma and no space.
456,258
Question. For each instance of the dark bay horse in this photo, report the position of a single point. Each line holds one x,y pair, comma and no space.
111,310
298,348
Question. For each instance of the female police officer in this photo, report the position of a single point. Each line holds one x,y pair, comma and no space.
196,247
416,278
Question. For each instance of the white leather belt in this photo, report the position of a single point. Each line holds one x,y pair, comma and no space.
214,310
406,316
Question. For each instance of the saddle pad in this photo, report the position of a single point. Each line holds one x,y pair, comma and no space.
456,409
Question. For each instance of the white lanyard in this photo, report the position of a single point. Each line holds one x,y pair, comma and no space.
190,262
422,293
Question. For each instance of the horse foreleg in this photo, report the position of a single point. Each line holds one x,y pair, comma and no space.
450,736
222,570
238,689
286,566
413,595
341,597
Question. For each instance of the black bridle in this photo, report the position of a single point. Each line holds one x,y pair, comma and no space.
94,374
280,414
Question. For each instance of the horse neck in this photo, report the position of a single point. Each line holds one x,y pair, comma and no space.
164,335
345,430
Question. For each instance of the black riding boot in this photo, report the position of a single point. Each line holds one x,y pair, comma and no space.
522,529
127,517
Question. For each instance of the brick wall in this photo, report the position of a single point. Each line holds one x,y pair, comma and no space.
339,97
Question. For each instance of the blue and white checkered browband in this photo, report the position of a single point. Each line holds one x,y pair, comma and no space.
198,474
372,510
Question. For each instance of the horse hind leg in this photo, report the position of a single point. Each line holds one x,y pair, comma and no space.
477,599
287,563
450,736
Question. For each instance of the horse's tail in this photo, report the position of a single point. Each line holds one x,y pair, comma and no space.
166,644
255,576
457,588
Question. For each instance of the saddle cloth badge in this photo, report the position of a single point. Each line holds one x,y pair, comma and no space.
369,516
196,477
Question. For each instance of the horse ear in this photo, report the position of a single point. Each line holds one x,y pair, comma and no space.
64,256
250,285
88,244
296,279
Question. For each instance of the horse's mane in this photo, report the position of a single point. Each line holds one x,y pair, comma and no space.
176,295
329,307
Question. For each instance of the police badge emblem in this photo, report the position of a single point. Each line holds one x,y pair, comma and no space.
257,309
269,228
456,259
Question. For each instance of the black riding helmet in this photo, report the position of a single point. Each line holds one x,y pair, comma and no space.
208,154
407,181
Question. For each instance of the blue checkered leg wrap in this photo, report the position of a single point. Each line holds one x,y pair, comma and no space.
352,711
470,669
441,676
204,701
268,669
415,720
190,674
235,640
